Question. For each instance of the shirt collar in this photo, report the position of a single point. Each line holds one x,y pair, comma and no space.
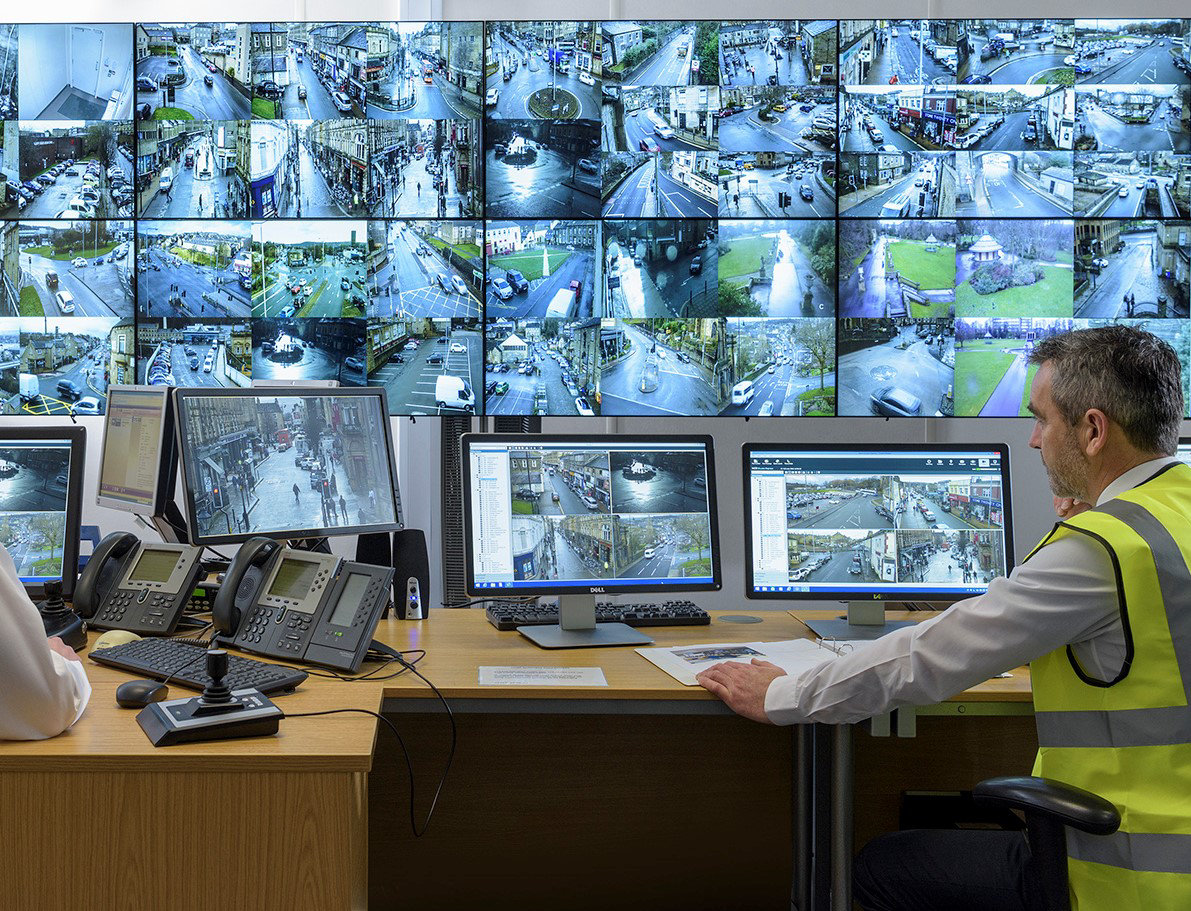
1132,478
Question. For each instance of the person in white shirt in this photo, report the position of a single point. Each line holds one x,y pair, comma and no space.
1065,595
43,687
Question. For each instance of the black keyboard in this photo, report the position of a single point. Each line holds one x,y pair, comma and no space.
512,614
185,664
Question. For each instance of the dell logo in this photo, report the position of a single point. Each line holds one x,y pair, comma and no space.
596,589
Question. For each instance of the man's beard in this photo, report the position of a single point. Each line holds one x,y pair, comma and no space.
1068,475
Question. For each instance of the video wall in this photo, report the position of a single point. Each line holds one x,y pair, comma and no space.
749,218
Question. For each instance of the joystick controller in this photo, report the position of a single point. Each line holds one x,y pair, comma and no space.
59,619
220,713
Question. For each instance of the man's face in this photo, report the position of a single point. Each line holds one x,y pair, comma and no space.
1065,463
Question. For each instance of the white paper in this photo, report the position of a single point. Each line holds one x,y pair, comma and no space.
683,662
496,675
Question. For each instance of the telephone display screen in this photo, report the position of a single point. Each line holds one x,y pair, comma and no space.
154,565
353,594
294,579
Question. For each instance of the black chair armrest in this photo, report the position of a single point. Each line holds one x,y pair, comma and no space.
1068,805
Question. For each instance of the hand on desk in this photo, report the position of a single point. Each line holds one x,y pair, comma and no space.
57,645
742,687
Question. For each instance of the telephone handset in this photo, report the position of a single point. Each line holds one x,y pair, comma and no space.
299,605
130,585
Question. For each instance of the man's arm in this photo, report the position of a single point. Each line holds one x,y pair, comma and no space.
1065,594
43,687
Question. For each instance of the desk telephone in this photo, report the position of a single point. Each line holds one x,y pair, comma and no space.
130,585
298,605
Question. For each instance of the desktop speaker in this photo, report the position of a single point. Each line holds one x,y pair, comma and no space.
411,581
406,552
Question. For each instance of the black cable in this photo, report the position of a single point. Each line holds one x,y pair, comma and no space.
404,749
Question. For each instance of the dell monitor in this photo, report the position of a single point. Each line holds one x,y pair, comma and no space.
576,516
874,524
41,493
285,464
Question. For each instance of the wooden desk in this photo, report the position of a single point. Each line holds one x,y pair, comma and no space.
559,797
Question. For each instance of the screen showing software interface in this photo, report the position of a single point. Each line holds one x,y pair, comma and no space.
281,463
551,515
871,521
132,446
34,475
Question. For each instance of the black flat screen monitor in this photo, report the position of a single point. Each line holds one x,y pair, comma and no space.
584,515
879,523
41,492
306,464
137,464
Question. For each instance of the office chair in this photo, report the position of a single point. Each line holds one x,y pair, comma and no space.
1049,806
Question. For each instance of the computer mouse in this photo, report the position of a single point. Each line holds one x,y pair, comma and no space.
136,694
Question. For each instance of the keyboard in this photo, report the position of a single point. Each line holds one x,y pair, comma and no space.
512,614
185,664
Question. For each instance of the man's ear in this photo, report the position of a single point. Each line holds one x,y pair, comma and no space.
1093,431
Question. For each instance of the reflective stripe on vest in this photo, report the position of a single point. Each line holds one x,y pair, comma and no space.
1144,852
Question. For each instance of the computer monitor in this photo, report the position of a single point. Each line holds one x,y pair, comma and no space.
581,515
290,465
874,524
1183,453
41,492
137,433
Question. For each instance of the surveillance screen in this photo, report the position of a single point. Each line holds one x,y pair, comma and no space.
557,514
34,476
829,522
585,218
271,464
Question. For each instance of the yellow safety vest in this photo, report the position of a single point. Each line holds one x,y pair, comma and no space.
1129,739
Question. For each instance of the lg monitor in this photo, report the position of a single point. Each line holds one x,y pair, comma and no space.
870,525
288,465
41,492
576,516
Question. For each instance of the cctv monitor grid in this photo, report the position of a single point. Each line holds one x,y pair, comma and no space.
556,515
34,481
787,218
839,522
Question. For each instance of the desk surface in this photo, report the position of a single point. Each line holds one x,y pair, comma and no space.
456,643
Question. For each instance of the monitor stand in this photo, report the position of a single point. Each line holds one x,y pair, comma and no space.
865,620
577,627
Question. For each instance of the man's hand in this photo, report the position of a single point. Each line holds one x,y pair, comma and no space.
742,687
57,645
1066,507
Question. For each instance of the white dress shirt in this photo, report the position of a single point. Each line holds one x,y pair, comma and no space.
1065,595
41,693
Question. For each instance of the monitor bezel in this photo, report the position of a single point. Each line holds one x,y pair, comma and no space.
167,457
76,436
295,534
604,588
888,594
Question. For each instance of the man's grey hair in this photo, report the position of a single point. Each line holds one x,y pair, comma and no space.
1131,375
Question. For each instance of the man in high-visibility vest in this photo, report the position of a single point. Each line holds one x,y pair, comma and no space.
1102,610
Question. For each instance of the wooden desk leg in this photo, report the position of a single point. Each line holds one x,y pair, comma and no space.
803,793
842,794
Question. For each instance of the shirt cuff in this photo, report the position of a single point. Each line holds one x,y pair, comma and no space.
781,699
82,685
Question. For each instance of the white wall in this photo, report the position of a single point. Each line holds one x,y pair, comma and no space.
41,73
